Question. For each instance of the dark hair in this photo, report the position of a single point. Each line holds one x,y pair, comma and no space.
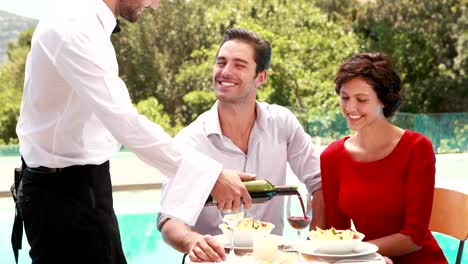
262,48
377,70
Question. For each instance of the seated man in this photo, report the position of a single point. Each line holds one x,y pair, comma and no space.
246,135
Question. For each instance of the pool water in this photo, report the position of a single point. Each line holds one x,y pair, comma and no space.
142,242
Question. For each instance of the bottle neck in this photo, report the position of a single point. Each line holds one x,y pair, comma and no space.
262,191
286,190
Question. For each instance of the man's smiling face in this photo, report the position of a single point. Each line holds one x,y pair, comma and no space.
234,76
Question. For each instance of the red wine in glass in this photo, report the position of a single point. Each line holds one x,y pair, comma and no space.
299,222
299,219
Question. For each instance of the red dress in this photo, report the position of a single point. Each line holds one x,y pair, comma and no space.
384,197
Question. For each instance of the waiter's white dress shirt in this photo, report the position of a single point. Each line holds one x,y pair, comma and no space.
276,138
76,110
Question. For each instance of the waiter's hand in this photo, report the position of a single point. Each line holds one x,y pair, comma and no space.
206,249
229,190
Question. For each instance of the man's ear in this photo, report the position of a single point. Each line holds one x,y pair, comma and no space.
261,78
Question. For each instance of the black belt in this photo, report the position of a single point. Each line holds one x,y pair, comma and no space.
45,170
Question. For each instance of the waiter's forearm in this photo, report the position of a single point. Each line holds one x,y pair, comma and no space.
319,218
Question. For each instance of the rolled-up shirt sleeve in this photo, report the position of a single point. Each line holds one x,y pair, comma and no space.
162,219
303,156
88,64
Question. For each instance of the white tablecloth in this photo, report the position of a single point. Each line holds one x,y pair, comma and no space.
373,258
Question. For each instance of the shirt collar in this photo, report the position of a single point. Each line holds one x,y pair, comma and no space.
213,126
106,17
263,115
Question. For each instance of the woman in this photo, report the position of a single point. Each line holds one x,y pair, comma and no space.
382,177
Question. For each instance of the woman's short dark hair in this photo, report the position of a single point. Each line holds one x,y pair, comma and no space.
378,71
262,48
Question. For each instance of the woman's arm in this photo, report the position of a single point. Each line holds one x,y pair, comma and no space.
395,245
329,161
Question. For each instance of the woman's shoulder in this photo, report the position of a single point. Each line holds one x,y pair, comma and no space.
416,144
416,138
334,148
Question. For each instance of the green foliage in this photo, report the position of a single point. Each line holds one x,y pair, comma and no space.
154,111
10,26
307,50
428,43
199,102
9,112
11,84
166,59
152,52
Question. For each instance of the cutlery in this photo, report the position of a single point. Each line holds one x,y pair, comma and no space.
286,248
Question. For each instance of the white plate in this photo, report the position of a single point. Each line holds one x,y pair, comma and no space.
364,248
225,241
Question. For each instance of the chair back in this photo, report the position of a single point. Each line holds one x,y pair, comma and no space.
450,213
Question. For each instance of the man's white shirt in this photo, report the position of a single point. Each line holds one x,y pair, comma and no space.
76,110
277,138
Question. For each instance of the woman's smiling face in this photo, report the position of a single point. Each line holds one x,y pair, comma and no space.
360,104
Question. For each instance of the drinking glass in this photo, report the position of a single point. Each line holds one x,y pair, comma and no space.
232,218
299,213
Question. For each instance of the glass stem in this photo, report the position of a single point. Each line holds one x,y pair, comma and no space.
231,250
299,254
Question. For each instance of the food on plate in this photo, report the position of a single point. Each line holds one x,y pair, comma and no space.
333,234
249,223
335,241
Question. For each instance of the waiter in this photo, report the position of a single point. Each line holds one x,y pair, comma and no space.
75,114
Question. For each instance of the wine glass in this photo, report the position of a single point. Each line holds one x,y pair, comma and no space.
232,218
299,212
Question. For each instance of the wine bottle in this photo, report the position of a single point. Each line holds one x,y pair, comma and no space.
262,191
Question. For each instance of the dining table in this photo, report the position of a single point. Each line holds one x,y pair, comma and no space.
294,252
374,258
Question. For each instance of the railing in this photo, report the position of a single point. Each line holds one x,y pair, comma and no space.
447,131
